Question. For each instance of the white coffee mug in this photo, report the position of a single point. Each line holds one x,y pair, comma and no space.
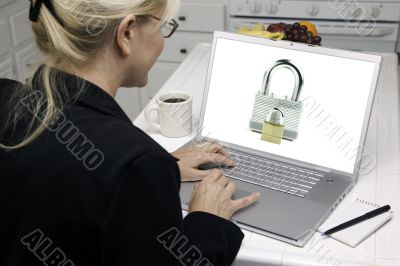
174,114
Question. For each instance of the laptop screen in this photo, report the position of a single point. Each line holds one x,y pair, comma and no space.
246,103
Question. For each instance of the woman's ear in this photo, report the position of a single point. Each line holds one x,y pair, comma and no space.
125,34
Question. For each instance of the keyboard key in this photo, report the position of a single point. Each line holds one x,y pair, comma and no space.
292,191
301,194
299,189
305,185
266,183
284,188
313,178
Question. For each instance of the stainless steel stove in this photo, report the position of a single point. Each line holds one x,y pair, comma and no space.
349,24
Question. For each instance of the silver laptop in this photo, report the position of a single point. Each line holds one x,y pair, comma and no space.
294,117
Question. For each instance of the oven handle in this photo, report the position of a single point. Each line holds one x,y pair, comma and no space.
377,32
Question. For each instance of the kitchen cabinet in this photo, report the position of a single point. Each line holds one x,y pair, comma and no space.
197,19
6,44
18,51
20,27
4,2
28,60
7,69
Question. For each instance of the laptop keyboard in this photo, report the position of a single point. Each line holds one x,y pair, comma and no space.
271,174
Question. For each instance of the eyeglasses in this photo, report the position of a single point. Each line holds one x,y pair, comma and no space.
167,28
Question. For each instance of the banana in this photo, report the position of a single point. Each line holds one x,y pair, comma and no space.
259,27
264,34
243,29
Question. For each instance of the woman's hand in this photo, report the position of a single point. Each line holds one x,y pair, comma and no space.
192,156
214,195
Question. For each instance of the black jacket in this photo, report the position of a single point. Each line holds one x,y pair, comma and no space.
95,190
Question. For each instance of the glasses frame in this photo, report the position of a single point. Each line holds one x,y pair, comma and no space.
172,23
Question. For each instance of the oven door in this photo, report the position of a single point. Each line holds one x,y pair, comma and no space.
344,35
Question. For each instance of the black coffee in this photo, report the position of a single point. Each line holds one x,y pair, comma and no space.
174,100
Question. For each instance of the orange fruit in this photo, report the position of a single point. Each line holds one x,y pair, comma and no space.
310,27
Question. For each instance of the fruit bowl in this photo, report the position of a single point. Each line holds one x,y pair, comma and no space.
303,32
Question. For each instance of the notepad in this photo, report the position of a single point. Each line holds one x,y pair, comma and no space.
349,209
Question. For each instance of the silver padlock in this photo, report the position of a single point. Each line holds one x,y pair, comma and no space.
292,109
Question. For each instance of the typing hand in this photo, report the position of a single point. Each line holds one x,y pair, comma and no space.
193,156
214,195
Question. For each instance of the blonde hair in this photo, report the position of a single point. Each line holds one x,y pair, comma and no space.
78,33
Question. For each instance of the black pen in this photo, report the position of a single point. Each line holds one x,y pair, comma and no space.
357,220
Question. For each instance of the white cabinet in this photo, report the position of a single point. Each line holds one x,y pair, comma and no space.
181,44
20,27
197,20
28,60
19,56
129,100
4,2
5,40
158,75
7,69
201,17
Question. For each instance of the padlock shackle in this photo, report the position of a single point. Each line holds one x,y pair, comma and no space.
277,109
298,75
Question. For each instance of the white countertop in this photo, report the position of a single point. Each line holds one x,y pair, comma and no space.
381,186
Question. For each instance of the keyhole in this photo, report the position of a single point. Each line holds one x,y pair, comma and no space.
282,83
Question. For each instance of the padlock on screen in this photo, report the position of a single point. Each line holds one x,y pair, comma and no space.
291,108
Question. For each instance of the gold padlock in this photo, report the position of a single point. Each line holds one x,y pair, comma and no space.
272,130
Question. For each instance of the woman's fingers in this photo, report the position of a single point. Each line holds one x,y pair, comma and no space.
221,159
222,180
217,158
217,176
197,175
194,191
213,175
214,147
230,189
245,201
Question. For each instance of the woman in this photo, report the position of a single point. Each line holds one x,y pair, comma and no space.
80,185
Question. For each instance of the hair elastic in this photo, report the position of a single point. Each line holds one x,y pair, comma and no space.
34,10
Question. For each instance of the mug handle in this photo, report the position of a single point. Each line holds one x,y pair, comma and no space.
147,115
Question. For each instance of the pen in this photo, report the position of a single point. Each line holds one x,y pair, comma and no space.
357,220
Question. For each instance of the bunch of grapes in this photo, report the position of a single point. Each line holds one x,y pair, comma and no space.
296,33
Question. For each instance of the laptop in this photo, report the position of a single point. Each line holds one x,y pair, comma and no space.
294,117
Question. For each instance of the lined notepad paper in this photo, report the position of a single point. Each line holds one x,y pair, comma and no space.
349,209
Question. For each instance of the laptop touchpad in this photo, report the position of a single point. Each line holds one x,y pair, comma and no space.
239,193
